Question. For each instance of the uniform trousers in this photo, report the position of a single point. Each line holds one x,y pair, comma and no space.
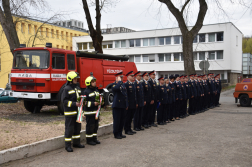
168,111
191,106
146,113
128,119
152,115
91,127
218,98
72,131
138,117
161,113
118,121
178,108
172,113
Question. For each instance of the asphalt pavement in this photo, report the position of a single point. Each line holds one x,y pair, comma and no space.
218,137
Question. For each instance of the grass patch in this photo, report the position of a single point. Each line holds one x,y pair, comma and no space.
228,87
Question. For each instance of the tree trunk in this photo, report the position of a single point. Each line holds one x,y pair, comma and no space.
8,25
94,34
188,54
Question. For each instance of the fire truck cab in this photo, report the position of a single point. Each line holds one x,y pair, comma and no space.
243,92
38,75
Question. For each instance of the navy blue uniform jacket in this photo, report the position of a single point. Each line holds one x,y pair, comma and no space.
148,96
139,93
120,95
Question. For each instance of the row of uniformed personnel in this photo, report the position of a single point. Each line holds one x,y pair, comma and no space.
141,96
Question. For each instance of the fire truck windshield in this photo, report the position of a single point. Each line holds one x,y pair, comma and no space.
31,59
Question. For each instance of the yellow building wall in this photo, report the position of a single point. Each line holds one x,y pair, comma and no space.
33,34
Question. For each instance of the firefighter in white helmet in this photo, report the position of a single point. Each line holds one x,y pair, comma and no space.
69,98
90,110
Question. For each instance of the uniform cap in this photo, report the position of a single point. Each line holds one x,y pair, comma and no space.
152,72
160,78
191,75
171,77
185,76
181,76
119,73
145,73
137,73
130,73
195,75
176,75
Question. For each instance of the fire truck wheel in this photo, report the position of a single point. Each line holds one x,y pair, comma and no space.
245,101
110,97
29,106
60,108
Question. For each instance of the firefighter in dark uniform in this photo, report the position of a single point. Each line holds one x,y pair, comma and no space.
140,102
90,110
69,98
219,91
132,102
202,94
162,102
184,96
120,104
169,100
173,98
153,85
179,97
197,83
188,94
192,85
212,90
206,93
148,98
217,87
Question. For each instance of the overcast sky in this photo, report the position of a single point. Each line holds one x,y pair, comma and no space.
151,14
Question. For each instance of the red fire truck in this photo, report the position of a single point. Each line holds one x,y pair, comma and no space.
39,74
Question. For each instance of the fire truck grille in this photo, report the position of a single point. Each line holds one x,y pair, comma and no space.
24,87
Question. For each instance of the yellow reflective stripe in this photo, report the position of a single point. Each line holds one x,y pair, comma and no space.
79,91
89,112
89,104
76,136
68,139
95,134
71,92
69,103
70,112
89,135
77,94
91,94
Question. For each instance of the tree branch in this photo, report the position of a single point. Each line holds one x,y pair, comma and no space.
88,17
183,8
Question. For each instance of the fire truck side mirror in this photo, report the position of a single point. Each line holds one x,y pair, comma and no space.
91,73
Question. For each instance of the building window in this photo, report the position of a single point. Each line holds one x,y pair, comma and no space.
182,57
107,44
195,40
135,42
29,29
23,28
52,33
91,45
71,35
176,39
202,56
211,37
120,44
222,76
58,46
161,41
47,32
211,55
62,35
161,57
152,41
176,56
148,58
220,54
236,40
168,57
41,31
62,46
202,37
35,29
145,42
167,40
137,59
57,34
67,36
117,44
245,68
123,43
220,36
79,46
131,58
66,47
195,56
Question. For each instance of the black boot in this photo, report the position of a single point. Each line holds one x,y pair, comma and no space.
78,146
96,141
68,147
90,141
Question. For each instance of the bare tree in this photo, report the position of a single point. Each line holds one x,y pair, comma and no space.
95,34
19,7
188,35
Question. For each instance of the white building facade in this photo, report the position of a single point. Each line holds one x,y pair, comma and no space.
161,49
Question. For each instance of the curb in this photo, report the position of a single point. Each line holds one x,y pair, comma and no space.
43,146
